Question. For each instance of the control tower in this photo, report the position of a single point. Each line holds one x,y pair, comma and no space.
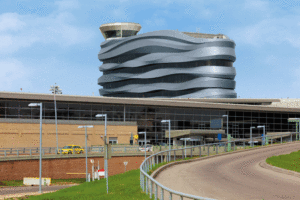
119,30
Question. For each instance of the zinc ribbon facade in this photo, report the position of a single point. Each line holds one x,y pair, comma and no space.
167,64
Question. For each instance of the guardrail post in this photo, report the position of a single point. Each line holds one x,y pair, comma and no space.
43,151
4,153
73,151
181,197
150,189
200,151
207,150
233,146
244,144
174,155
155,195
291,138
143,182
272,141
182,154
18,152
162,193
170,197
49,149
191,152
124,149
217,149
146,184
24,150
30,152
10,150
281,140
37,150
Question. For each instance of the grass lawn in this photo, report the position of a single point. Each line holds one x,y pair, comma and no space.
288,161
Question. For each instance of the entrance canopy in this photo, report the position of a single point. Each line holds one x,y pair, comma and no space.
194,132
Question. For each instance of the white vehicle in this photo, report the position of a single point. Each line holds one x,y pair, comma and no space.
148,147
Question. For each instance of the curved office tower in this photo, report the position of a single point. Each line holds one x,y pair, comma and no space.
165,63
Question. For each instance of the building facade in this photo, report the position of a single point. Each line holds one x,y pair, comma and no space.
165,63
147,113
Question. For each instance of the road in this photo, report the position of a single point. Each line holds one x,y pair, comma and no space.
8,191
234,177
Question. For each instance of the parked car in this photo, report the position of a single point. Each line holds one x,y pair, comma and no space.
69,149
148,148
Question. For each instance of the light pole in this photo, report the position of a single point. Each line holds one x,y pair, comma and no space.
263,133
227,130
105,143
251,142
55,90
145,142
168,121
86,168
41,117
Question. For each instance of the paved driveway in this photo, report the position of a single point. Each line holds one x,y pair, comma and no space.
234,177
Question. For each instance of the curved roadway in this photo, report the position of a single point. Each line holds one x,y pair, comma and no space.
234,177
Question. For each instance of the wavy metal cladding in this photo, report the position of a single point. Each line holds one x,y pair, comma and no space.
167,64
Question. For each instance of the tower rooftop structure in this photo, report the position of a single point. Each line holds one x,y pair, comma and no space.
119,30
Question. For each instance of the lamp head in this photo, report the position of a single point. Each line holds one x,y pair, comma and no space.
34,104
164,121
260,126
100,115
224,115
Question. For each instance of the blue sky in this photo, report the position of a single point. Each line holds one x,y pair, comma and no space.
47,42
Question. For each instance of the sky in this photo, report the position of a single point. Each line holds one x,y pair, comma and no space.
46,42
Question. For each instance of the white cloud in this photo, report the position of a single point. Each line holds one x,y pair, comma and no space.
23,31
13,75
67,5
272,31
10,22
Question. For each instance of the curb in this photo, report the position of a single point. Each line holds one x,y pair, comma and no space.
160,169
265,165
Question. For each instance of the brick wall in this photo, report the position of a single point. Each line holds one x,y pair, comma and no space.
58,168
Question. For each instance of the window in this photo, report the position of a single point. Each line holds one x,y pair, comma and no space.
113,140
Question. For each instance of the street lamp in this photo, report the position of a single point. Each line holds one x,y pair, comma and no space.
41,117
168,121
251,142
105,143
55,90
86,169
145,142
263,133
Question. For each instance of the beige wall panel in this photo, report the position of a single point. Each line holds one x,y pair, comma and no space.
14,135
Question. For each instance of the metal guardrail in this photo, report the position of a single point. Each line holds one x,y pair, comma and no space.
52,150
147,182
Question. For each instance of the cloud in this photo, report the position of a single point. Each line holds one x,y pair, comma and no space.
10,22
269,31
67,5
23,31
13,75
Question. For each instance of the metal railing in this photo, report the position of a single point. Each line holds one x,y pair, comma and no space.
52,150
147,183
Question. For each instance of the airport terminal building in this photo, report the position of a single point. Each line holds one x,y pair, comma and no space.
129,116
